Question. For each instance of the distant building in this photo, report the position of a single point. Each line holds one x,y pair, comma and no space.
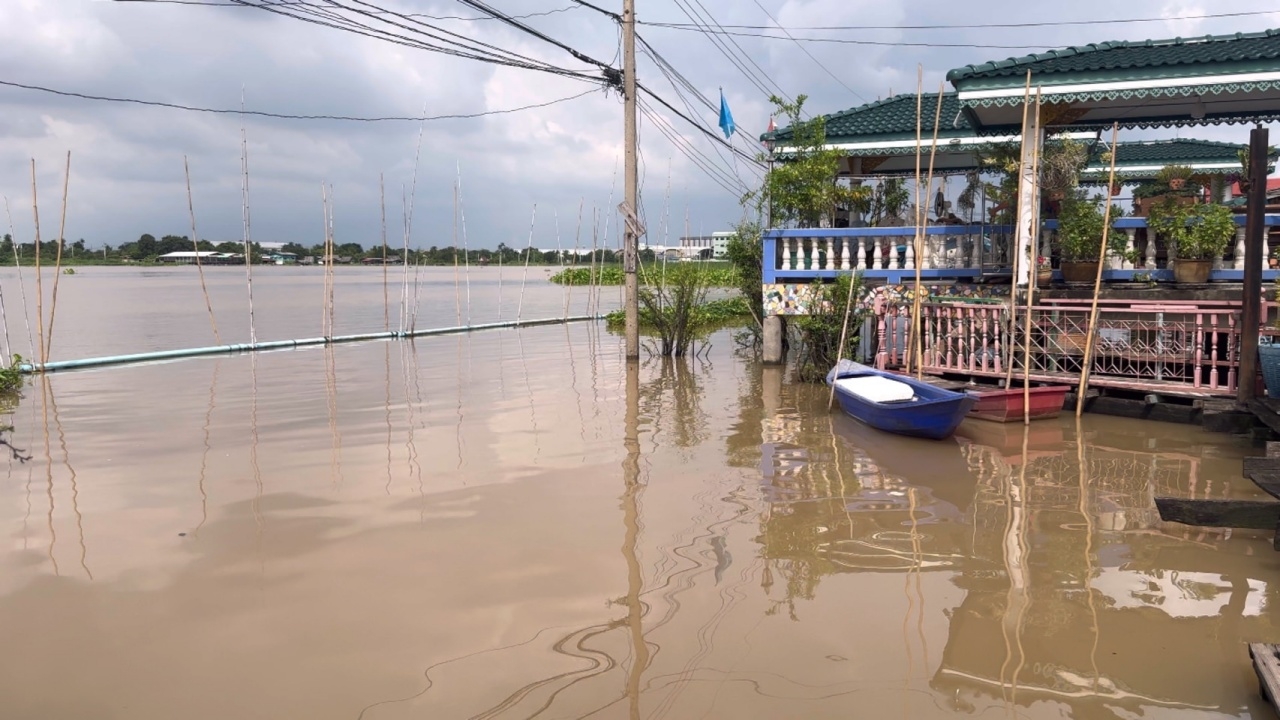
714,245
205,257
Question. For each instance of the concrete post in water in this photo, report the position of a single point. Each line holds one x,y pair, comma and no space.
773,340
1255,229
632,212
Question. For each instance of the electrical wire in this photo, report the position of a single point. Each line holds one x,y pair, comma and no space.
695,124
806,52
1057,23
847,41
285,116
211,3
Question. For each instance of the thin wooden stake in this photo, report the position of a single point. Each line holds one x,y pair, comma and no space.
195,246
22,286
1016,257
915,242
35,209
919,299
1033,251
386,298
1097,281
57,268
844,333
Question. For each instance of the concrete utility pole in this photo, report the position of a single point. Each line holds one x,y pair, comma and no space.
1255,229
630,210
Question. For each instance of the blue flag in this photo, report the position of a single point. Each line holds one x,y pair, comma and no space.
726,117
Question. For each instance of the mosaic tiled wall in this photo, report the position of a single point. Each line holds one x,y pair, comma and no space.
796,298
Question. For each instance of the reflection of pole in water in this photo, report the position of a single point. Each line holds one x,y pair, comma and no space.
75,486
409,366
48,465
533,412
1016,552
331,390
1088,546
208,447
631,521
386,353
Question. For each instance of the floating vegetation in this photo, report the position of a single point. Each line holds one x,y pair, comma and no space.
11,378
717,275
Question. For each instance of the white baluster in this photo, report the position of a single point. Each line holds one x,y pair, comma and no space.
862,253
831,255
1129,244
877,258
975,242
910,263
1266,245
1150,261
792,254
846,249
1239,258
813,254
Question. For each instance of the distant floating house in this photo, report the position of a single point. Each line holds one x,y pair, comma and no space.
205,257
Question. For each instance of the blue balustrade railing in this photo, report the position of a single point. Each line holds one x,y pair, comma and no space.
970,252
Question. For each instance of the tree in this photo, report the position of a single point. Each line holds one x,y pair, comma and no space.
145,247
352,250
804,189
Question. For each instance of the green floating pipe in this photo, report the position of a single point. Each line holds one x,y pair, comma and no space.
31,368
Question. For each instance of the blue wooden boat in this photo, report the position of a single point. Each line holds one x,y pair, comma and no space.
898,403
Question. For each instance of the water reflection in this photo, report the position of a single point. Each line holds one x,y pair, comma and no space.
501,526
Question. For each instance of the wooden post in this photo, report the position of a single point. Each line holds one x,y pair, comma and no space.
922,247
1033,252
1255,230
1014,256
631,223
1097,283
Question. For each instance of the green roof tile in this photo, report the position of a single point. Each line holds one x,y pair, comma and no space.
1123,58
891,118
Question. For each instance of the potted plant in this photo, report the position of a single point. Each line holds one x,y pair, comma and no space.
1175,176
1197,234
1080,226
1044,272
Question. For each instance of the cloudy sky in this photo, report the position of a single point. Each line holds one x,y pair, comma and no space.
127,159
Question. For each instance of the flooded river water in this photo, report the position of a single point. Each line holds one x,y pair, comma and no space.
515,524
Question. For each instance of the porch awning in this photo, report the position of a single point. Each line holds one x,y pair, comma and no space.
1156,83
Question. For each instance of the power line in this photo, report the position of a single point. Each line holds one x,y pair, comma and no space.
212,3
1059,23
285,116
847,41
806,52
695,124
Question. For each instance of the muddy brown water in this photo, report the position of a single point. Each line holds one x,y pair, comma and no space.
509,524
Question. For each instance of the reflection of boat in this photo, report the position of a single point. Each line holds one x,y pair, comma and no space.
1044,439
1007,405
897,404
939,469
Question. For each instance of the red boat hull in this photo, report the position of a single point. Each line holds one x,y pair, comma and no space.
1006,405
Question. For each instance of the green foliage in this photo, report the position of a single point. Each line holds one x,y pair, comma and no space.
716,275
1061,161
745,251
1169,173
11,378
803,189
711,315
672,305
1080,223
1194,232
820,330
889,199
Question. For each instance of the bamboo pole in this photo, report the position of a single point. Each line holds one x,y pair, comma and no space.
22,286
1013,284
35,210
915,241
57,267
386,298
918,300
195,246
1097,281
844,334
1033,251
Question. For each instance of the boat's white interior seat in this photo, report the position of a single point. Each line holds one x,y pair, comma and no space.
877,389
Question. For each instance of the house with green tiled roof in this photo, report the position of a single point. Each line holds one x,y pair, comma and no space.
1179,82
879,139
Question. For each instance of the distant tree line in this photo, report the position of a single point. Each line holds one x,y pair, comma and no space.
147,248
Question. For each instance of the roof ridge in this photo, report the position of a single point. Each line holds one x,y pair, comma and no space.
961,72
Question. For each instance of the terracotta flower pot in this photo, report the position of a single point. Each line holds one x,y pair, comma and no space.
1044,277
1115,189
1079,272
1192,271
1177,183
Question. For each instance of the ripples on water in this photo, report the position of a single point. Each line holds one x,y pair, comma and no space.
484,526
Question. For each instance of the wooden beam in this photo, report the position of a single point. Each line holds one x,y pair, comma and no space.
1249,514
1264,410
1268,481
1266,663
1255,228
1259,464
